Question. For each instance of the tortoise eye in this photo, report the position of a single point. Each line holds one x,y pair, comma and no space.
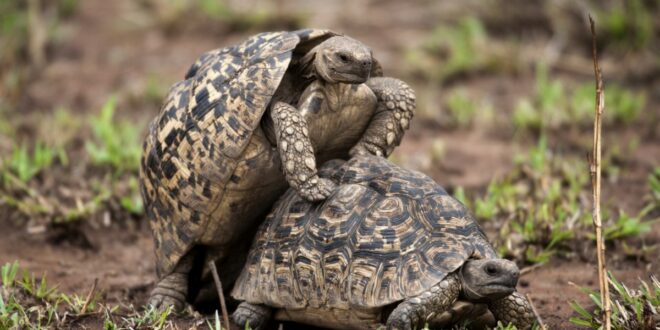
491,270
343,57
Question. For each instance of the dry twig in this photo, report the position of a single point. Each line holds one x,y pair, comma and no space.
594,170
90,295
536,313
37,34
530,269
218,286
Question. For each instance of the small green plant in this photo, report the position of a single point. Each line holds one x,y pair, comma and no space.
501,326
629,24
15,34
654,195
459,194
116,144
462,109
133,201
80,305
154,90
9,272
625,226
460,44
25,302
216,323
151,318
37,288
24,165
546,108
631,309
173,13
538,208
453,49
623,105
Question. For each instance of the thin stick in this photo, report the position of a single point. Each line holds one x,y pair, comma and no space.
530,269
594,170
536,313
37,34
89,296
218,286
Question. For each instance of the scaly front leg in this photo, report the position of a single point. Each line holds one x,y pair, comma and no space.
514,309
396,105
413,313
297,153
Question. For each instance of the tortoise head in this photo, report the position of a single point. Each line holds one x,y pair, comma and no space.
488,279
341,59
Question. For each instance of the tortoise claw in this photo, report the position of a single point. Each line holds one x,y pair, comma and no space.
363,148
317,189
255,317
162,302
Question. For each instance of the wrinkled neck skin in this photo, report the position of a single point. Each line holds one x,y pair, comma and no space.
467,292
306,65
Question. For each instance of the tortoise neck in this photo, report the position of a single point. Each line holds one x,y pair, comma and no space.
306,67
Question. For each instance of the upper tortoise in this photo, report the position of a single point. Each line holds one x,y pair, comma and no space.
247,122
389,246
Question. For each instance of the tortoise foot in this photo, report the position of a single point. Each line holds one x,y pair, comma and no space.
317,189
171,292
164,301
254,316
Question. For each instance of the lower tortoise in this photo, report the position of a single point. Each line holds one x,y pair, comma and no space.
390,246
248,122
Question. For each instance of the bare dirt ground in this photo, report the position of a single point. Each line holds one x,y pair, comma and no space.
112,48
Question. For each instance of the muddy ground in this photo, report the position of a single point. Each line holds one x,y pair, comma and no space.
119,47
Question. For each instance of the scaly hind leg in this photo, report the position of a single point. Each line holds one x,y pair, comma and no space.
514,309
396,105
172,290
413,313
255,316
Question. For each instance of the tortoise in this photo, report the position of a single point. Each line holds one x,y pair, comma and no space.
247,122
388,246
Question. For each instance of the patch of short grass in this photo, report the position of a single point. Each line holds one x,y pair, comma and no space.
115,143
631,308
627,25
542,207
27,302
449,49
172,15
464,111
132,200
24,163
554,105
21,22
458,48
653,196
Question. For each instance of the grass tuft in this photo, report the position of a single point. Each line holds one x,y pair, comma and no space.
24,165
116,144
631,308
555,106
540,207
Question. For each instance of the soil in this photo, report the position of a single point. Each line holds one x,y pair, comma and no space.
112,47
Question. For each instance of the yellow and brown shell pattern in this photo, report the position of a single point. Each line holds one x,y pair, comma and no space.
386,234
194,144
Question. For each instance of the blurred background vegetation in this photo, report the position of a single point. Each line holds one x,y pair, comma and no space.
505,106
